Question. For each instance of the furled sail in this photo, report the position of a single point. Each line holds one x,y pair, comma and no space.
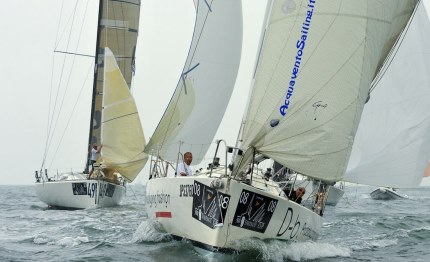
392,146
316,65
118,27
122,135
205,86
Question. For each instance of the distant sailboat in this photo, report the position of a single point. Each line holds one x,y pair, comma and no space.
113,106
392,145
314,71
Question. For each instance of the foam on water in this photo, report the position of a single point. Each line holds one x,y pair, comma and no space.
275,250
150,231
66,241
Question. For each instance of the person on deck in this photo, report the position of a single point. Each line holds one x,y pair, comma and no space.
184,168
93,156
297,195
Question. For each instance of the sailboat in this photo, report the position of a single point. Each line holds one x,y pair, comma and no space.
392,145
115,122
315,67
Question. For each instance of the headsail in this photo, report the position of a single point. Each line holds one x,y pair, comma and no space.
122,135
118,27
392,146
316,65
205,86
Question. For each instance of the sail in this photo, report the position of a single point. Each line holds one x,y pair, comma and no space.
118,27
316,65
205,86
392,146
122,135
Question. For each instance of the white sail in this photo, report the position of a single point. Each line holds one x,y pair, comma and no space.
122,135
204,89
316,66
392,146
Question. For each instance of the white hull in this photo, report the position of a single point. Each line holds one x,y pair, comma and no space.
214,219
334,195
77,194
384,193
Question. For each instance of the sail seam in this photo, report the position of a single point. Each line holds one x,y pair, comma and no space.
120,117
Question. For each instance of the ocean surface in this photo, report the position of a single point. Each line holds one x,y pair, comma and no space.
357,229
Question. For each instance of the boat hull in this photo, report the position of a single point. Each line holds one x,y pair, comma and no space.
384,193
79,194
334,195
215,219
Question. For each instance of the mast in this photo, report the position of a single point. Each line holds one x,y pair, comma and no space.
93,100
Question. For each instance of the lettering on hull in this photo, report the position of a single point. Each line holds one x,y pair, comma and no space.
254,211
209,205
160,198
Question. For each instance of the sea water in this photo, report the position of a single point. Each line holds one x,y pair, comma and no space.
357,229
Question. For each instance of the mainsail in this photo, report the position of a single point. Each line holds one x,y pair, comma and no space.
392,146
118,26
205,86
122,135
317,62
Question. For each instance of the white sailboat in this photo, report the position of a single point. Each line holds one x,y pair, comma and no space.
314,71
392,145
115,121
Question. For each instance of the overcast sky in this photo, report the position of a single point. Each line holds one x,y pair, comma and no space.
29,37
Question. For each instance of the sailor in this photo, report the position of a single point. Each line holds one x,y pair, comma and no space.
184,168
297,195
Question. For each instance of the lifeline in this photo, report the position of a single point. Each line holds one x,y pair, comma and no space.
300,45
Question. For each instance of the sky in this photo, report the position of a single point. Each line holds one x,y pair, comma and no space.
29,37
29,71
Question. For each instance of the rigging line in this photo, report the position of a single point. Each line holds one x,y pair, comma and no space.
51,84
70,53
50,123
133,192
71,114
69,76
51,87
393,52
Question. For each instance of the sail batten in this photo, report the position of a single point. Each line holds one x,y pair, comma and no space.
206,83
316,65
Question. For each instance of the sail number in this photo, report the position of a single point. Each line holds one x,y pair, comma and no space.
92,190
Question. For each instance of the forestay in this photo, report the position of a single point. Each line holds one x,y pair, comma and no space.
317,62
392,146
122,135
205,86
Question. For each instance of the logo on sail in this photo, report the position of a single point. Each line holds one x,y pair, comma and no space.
300,45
